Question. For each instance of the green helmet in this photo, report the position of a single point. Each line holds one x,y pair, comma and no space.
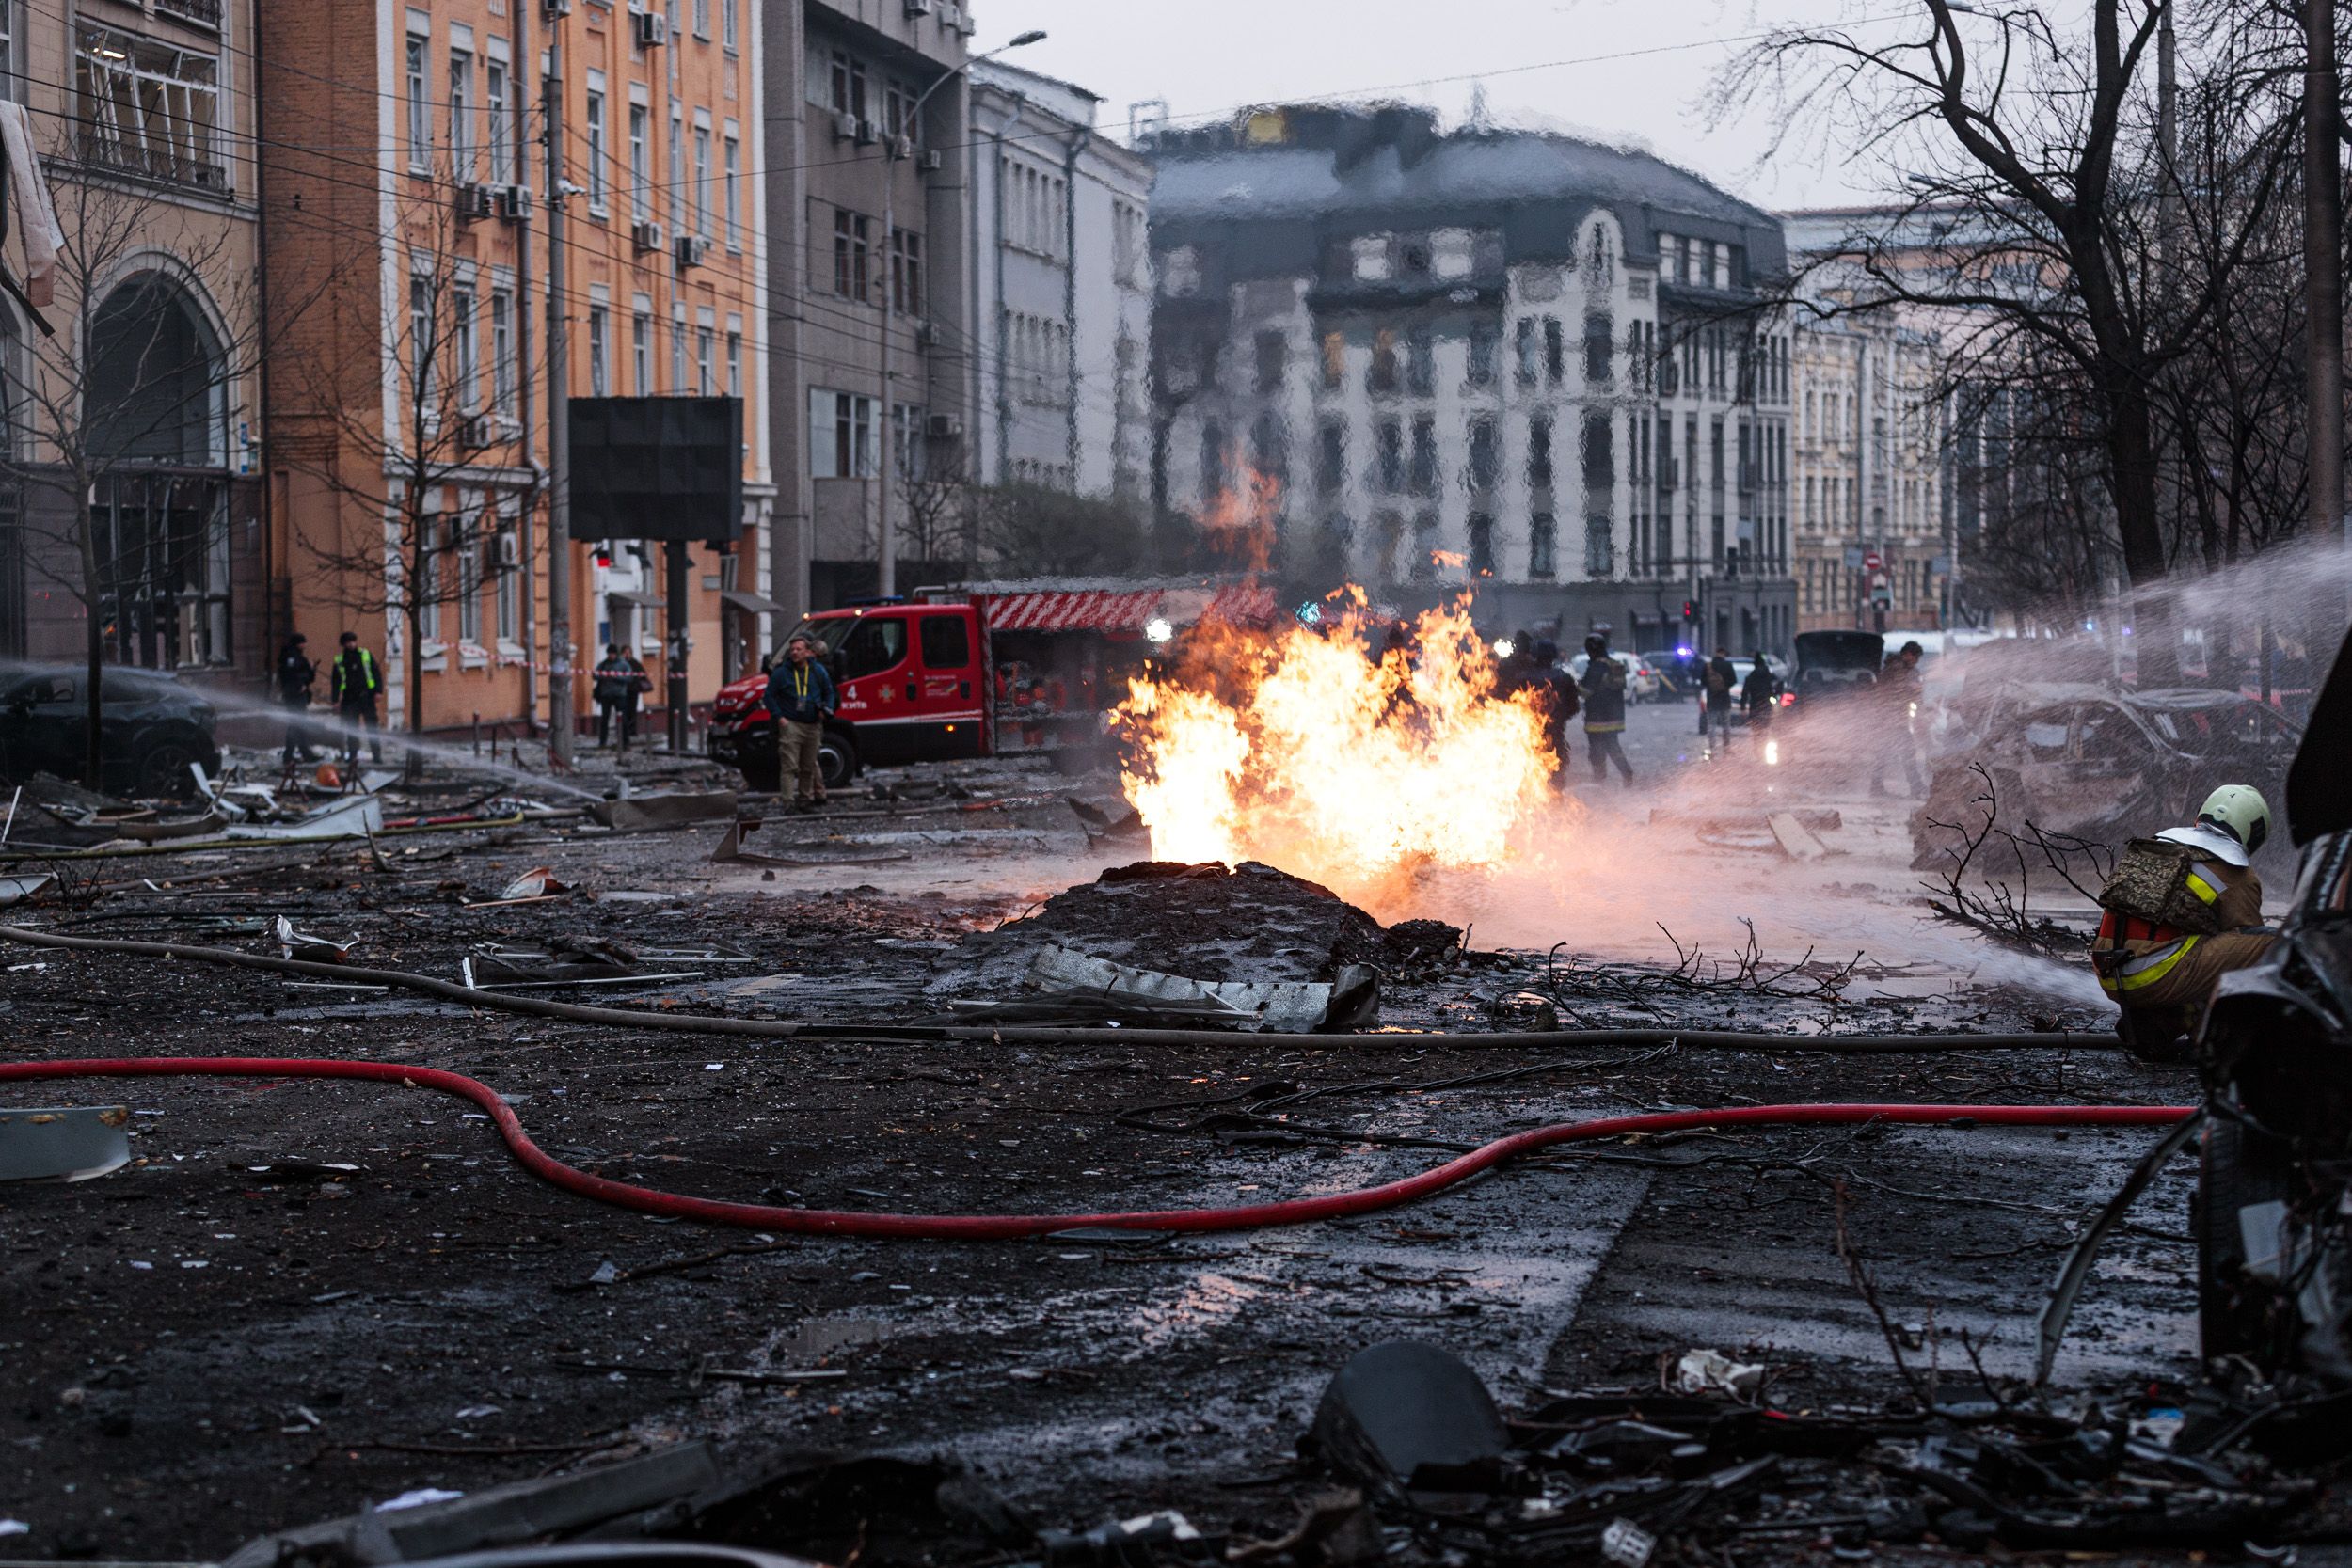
2239,811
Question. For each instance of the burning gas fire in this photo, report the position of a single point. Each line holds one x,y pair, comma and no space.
1337,752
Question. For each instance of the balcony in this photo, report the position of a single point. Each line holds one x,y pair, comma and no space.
201,13
163,164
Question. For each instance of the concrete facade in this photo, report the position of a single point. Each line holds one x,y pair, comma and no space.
143,119
1060,275
859,310
1529,365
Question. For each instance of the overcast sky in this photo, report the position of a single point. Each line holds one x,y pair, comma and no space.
1207,57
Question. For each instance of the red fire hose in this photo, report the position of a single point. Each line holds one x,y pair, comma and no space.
980,1228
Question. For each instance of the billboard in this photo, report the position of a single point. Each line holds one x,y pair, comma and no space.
667,468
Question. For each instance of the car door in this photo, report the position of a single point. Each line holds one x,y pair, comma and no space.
948,696
41,728
878,679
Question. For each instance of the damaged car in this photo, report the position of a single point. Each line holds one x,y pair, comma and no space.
152,727
2093,762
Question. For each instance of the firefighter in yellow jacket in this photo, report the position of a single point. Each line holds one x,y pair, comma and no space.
2182,909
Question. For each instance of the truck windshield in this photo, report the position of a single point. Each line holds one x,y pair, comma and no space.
827,634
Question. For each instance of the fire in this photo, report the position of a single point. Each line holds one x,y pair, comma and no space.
1338,753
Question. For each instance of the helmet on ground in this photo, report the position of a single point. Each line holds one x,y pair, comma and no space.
2239,811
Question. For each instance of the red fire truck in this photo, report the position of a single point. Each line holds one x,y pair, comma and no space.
983,668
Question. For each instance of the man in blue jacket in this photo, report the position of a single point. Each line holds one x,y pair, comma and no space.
801,696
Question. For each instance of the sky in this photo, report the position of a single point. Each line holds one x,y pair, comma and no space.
1623,70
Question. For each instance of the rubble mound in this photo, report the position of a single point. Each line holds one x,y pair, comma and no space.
1252,924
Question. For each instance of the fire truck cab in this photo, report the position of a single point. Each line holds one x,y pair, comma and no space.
976,669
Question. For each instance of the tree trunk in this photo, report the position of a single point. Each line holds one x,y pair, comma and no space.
94,639
2132,463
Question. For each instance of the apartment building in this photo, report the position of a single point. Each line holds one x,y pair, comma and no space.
1528,364
407,257
866,190
1061,272
144,403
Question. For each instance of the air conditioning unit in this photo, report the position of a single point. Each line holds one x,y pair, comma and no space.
478,431
918,8
844,126
968,27
552,9
867,133
475,201
506,553
513,202
902,147
646,234
688,249
651,29
933,162
944,427
948,13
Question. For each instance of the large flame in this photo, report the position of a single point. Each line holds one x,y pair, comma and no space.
1337,752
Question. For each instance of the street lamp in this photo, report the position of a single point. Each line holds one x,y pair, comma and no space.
885,536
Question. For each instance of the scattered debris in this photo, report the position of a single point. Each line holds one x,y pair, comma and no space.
1706,1371
318,950
16,890
663,811
1794,840
64,1143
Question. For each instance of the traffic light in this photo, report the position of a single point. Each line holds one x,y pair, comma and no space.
1690,610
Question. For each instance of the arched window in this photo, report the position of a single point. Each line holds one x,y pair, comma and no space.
155,390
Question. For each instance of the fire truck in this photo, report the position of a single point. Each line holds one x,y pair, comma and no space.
975,669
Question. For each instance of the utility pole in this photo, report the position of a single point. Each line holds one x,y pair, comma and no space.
560,736
2323,248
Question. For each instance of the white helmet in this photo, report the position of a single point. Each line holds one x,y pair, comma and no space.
2239,811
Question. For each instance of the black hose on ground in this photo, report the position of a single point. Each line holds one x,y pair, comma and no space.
703,1023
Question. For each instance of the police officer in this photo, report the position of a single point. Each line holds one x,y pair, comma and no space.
353,681
295,675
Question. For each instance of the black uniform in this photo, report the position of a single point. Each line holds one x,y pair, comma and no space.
295,675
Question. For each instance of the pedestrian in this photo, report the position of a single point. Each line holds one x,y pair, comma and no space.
1718,680
1895,699
1603,693
295,673
2180,911
353,681
620,681
1758,693
801,696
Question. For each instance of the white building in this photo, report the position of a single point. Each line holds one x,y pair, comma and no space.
1062,292
1530,364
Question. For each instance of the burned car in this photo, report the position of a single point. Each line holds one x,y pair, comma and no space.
2098,763
150,728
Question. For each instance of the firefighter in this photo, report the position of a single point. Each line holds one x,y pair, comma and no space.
2182,909
1603,694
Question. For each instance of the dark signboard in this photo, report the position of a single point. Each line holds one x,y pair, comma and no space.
667,468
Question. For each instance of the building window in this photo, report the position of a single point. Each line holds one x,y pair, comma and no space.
1481,545
906,273
1599,349
733,172
855,434
1539,451
735,364
1273,359
1212,461
678,349
849,84
726,26
701,19
468,365
1388,455
677,170
1421,363
1270,448
1331,457
702,181
641,351
1600,550
596,151
851,232
1482,355
705,345
640,162
1555,351
1524,351
151,110
461,114
494,94
1542,545
1382,376
1334,360
509,589
502,369
600,378
423,365
429,579
1600,458
1483,460
419,105
469,581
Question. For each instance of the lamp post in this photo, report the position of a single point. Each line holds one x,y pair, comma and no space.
885,534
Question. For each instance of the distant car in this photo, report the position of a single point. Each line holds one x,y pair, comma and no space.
150,727
1833,664
1642,683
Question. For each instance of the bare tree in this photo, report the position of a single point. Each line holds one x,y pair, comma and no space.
2034,212
154,324
397,444
935,513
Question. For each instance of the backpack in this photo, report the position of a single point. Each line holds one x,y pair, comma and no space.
1717,682
2151,883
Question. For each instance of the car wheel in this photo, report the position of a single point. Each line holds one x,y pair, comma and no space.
2236,1315
162,770
836,759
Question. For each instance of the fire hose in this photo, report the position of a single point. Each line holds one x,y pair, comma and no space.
761,1028
974,1227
